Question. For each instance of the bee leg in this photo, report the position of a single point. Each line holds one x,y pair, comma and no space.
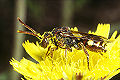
50,51
65,52
102,55
83,47
69,49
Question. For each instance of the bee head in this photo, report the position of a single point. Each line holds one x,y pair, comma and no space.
45,40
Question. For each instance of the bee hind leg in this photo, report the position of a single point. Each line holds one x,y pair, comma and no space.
83,47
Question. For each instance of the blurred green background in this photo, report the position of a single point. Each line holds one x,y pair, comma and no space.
44,15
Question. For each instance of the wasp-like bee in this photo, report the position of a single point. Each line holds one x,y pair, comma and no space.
65,38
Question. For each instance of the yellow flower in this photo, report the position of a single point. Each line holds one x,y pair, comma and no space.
74,65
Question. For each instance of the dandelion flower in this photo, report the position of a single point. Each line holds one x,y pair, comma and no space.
73,66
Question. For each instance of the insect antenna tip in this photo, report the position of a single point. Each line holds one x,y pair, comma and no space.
18,18
19,31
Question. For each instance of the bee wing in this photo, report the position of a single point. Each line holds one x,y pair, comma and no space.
81,35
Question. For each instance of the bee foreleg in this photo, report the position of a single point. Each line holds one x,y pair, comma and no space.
50,51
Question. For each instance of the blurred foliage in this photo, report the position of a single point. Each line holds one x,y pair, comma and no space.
37,8
79,4
3,76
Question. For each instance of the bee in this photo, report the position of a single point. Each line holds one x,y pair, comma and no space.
65,38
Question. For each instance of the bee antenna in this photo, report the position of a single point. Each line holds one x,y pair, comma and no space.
30,33
33,32
26,26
